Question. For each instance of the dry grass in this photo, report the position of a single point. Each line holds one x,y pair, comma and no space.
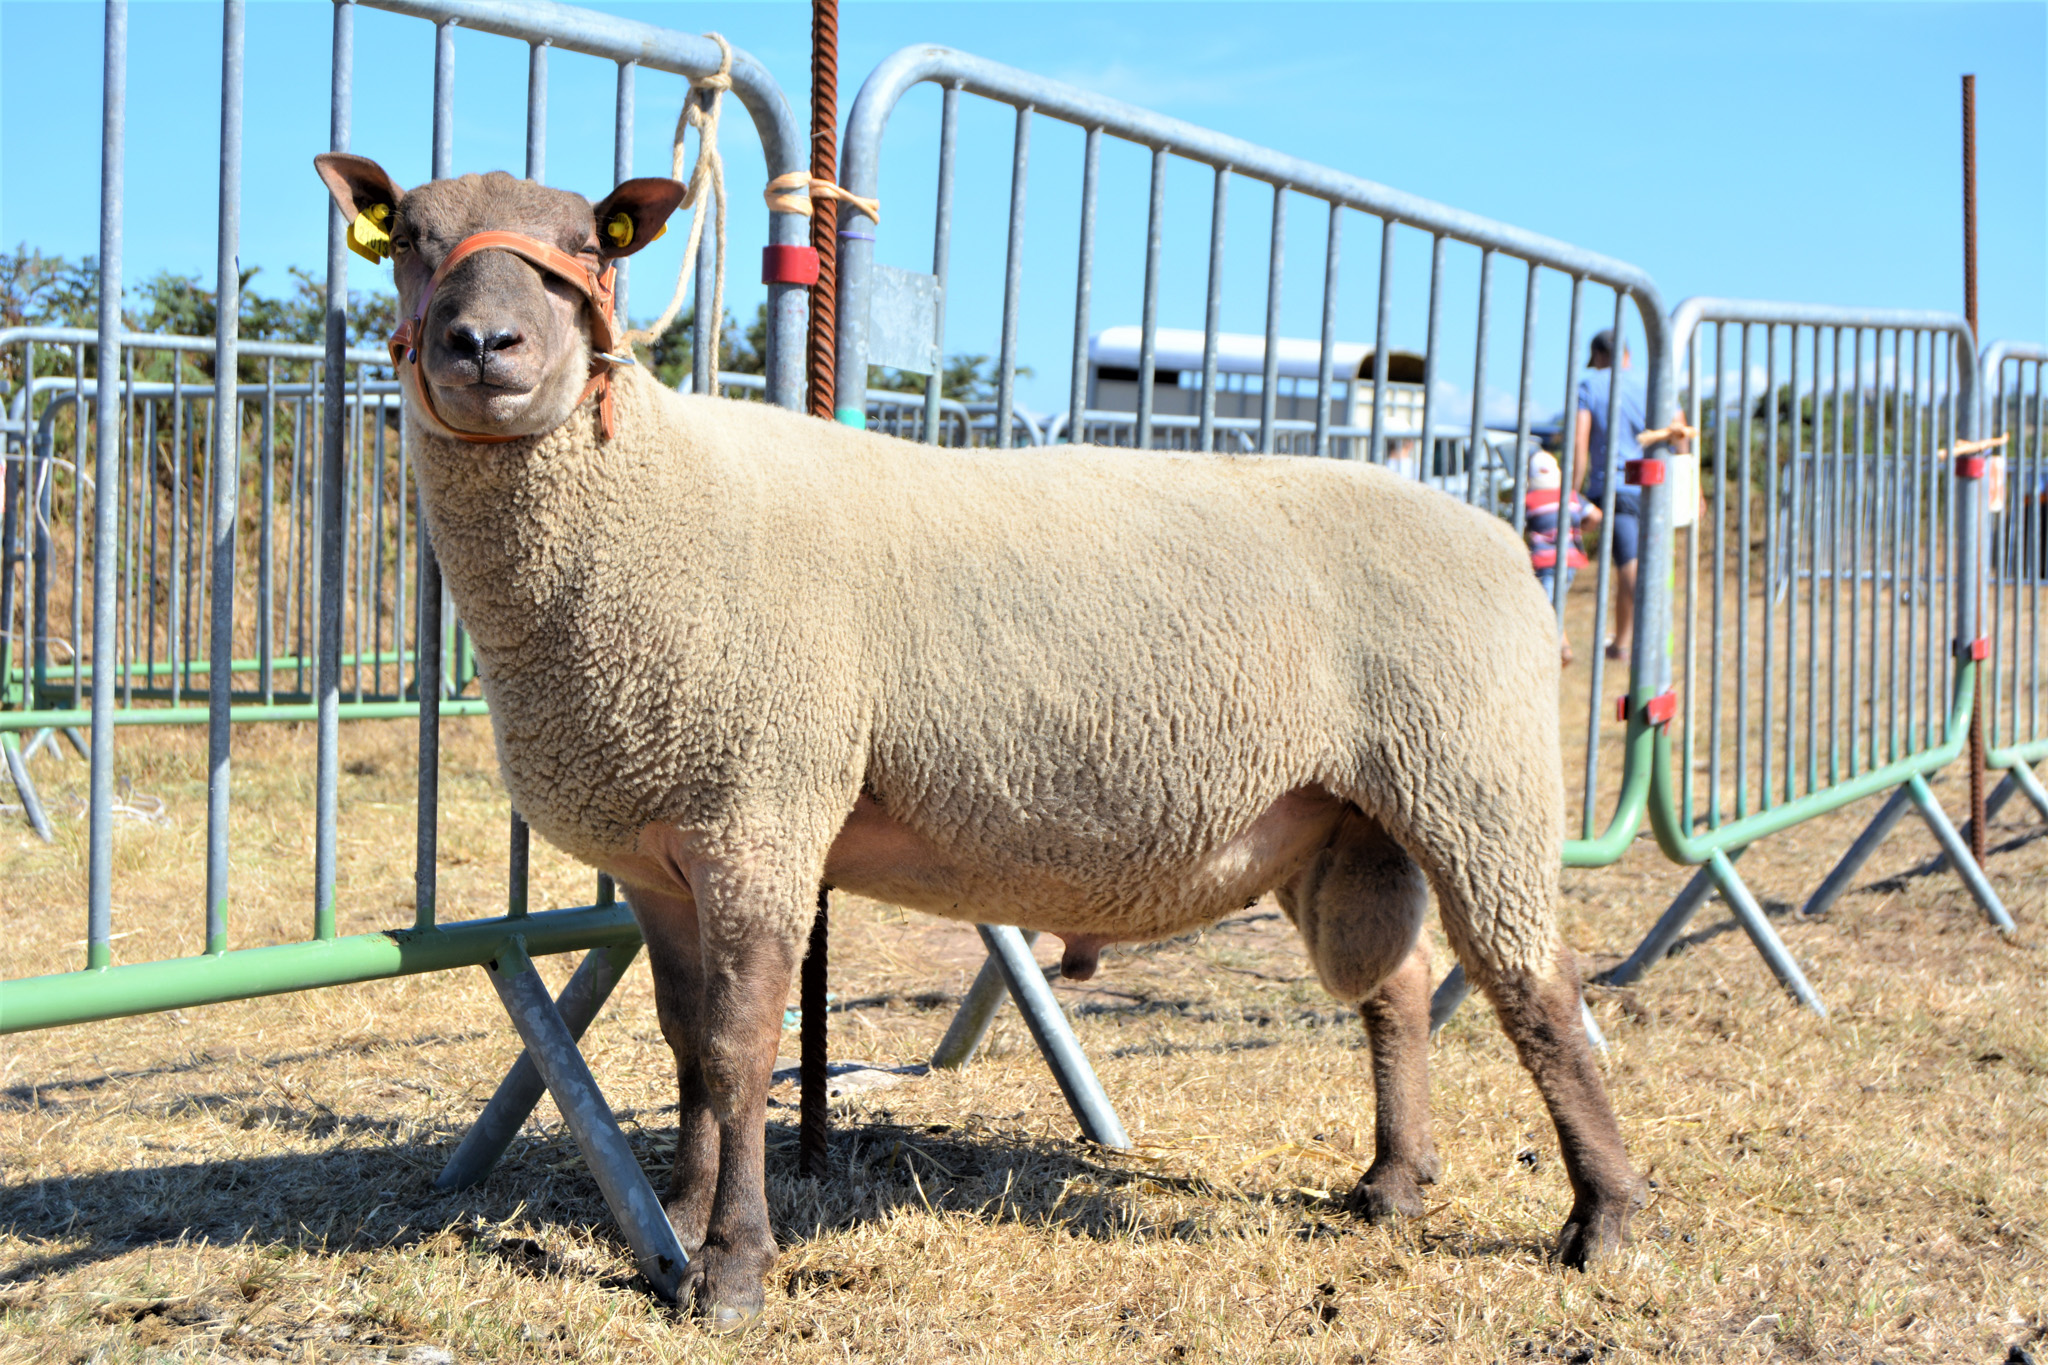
254,1181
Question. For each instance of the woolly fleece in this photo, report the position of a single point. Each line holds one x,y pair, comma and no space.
1064,685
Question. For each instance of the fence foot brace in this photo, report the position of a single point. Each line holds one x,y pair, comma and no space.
1453,990
632,1200
2022,776
976,1015
1959,854
1874,833
1656,945
498,1124
1768,945
1054,1035
31,804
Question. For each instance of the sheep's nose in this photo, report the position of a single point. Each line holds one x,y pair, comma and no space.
466,341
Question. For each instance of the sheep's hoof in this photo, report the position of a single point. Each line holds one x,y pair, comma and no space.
1594,1232
724,1296
1386,1196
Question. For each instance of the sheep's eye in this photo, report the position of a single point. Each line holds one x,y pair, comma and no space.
400,244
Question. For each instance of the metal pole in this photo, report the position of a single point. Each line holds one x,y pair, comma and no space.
605,1151
1979,824
227,476
1054,1036
327,766
498,1124
107,441
813,1114
976,1015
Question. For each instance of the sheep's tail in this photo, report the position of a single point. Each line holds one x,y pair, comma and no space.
706,183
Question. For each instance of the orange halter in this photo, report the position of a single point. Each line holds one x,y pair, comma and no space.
597,289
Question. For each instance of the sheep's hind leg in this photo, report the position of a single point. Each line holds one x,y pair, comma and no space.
1541,1014
1495,870
668,923
1359,905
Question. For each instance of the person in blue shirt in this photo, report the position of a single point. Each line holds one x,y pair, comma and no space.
1594,472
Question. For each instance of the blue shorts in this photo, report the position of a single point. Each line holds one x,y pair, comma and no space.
1626,531
1547,577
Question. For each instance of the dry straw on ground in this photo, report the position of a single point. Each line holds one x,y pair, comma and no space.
254,1181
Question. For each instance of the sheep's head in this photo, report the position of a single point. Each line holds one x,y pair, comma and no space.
504,345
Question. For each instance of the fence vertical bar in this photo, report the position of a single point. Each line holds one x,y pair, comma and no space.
622,161
1479,381
326,801
226,476
942,254
1084,283
1013,280
1148,327
1269,365
1742,626
537,111
1522,395
1328,354
1376,450
1212,311
428,643
107,440
1425,453
1604,570
1568,436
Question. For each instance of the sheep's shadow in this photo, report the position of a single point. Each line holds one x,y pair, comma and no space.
374,1189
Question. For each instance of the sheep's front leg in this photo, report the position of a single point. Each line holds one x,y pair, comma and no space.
750,955
668,923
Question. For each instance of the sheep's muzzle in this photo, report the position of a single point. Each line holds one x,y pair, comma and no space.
596,289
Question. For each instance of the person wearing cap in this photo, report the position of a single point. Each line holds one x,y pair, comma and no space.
1552,522
1600,455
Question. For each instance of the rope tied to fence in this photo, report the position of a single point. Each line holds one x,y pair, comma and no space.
705,188
1976,447
799,191
1677,431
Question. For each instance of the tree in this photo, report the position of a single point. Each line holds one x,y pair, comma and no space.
968,378
673,353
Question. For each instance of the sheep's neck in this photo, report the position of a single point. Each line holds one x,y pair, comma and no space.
534,537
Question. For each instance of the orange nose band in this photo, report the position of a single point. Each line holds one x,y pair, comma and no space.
596,290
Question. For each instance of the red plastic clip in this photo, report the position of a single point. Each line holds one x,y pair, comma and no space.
1975,651
1656,710
1643,473
1970,466
789,265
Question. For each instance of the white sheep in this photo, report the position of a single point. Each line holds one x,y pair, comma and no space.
733,653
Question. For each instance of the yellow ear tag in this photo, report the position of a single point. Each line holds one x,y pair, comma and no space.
620,229
367,237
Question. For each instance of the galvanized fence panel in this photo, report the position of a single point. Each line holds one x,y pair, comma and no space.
1828,603
164,547
2016,729
1355,414
325,615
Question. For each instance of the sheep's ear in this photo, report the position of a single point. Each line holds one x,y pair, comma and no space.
367,200
635,214
357,183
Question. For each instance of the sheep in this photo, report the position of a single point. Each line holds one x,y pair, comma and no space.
734,653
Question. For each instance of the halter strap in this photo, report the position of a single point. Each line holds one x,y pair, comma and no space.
596,289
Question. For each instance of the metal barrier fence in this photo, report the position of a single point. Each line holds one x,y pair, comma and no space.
2015,736
868,291
165,546
344,524
962,425
209,535
1837,660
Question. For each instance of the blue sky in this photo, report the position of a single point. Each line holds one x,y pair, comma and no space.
1803,151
